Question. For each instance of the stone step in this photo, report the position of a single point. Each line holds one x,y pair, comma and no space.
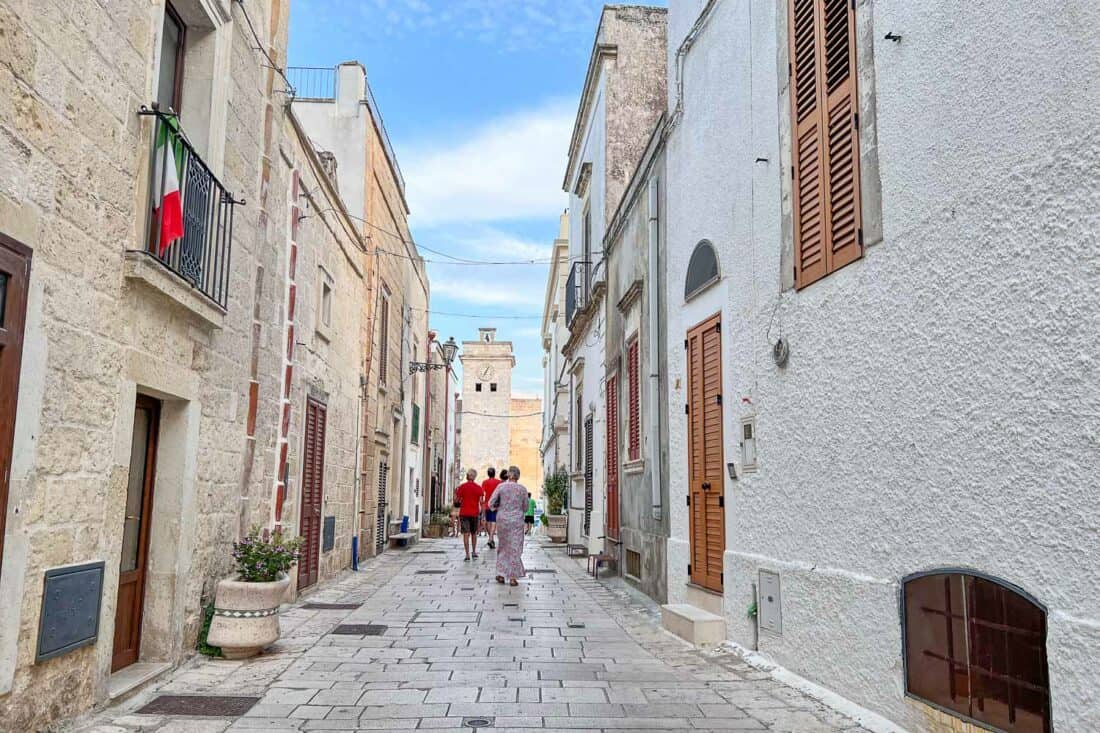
693,624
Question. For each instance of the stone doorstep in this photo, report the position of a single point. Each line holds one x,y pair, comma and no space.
128,679
693,624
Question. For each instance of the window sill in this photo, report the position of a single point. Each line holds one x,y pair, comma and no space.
631,468
141,267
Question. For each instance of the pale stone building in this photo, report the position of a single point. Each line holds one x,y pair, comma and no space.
340,115
554,446
525,432
486,402
903,481
622,98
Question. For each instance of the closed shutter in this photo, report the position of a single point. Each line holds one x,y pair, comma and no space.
634,449
313,473
383,338
15,264
705,461
613,458
826,138
588,476
380,517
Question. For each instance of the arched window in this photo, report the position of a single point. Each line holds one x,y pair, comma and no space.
976,646
702,269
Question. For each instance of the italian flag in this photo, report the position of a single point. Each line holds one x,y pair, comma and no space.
169,208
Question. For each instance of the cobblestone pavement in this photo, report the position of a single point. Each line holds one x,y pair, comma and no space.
560,652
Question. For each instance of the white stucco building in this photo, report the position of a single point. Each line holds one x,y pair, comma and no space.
555,416
895,349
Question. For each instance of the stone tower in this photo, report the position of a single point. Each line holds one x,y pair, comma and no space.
486,402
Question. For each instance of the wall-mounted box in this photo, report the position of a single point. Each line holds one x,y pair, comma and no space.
769,603
71,599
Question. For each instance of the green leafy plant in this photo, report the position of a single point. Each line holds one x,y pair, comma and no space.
441,519
545,521
204,648
752,610
554,487
263,557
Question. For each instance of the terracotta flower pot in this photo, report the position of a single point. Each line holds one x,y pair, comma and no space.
556,526
246,616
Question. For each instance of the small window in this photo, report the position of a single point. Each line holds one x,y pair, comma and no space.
634,564
326,299
477,387
702,269
634,409
748,444
492,386
170,78
976,647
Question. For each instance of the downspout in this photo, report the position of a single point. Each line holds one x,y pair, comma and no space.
653,281
681,54
426,428
446,432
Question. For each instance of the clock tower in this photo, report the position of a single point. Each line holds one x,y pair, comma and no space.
486,402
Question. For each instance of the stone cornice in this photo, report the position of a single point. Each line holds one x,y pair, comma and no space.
632,294
600,52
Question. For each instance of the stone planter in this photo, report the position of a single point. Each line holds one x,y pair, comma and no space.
556,527
433,531
246,616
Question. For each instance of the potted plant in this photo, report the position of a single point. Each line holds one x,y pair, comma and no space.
554,488
246,606
437,525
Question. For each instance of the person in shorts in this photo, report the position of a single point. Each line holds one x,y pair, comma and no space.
529,517
469,498
489,485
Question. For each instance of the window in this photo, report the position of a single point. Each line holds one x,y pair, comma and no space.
702,269
976,647
416,424
15,267
578,439
326,301
383,336
634,564
586,255
825,138
477,387
170,81
634,414
611,517
492,386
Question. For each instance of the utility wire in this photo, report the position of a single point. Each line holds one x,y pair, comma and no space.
487,414
260,47
485,316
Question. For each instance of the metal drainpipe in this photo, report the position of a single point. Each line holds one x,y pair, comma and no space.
651,341
426,428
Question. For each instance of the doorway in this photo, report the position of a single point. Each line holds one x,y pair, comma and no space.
313,480
15,265
705,459
133,565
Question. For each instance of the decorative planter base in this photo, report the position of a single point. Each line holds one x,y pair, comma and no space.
556,527
246,617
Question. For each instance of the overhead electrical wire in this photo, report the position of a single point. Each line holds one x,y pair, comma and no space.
485,316
291,92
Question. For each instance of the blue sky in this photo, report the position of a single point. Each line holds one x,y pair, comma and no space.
479,98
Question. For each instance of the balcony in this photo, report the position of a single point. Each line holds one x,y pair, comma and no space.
194,238
578,291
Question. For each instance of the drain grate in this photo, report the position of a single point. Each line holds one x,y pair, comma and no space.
200,706
575,625
431,572
477,722
359,630
331,606
430,552
516,618
541,570
511,605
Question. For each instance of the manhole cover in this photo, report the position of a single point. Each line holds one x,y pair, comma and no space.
431,572
331,606
211,706
359,630
477,722
541,570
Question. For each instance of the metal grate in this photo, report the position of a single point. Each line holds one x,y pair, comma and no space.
200,706
331,606
431,572
359,630
541,570
634,564
486,722
430,552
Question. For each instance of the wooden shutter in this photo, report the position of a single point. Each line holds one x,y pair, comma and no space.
383,338
612,517
313,476
588,476
705,449
634,416
15,265
380,515
827,223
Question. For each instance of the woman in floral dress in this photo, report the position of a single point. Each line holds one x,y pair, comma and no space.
510,503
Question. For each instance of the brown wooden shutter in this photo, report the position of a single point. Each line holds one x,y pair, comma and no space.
826,138
634,450
588,476
705,462
612,518
313,476
383,338
15,264
380,514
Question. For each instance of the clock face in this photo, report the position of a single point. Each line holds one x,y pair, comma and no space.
486,373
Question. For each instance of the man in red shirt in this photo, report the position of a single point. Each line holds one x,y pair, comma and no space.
489,485
469,497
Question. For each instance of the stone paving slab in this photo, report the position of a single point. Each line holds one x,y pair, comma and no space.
459,645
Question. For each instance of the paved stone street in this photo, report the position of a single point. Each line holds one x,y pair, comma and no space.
561,651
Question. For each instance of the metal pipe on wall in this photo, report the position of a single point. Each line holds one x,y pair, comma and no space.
654,309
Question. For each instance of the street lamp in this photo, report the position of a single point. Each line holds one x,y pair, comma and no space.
449,350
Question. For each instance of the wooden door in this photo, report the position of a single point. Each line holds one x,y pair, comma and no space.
15,267
313,478
135,533
612,517
705,459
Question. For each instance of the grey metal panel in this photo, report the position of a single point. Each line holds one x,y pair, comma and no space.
71,600
328,534
770,605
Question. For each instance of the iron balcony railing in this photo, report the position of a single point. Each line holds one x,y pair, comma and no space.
313,82
201,253
577,291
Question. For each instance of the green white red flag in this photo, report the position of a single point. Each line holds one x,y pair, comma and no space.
169,204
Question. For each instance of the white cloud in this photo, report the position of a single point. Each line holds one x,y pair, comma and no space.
510,168
478,291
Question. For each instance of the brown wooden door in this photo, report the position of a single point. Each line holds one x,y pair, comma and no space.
612,518
705,460
15,266
135,533
313,476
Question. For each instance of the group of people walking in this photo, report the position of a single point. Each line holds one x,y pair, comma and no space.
508,512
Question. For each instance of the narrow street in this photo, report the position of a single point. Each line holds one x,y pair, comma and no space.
561,651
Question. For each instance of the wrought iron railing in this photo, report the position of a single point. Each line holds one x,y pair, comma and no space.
313,82
576,291
201,253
